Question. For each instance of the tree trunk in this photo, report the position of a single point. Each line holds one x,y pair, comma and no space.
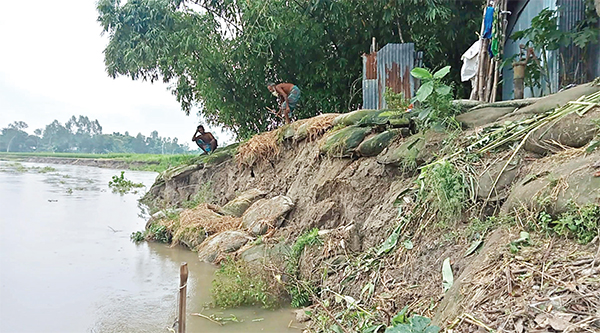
9,142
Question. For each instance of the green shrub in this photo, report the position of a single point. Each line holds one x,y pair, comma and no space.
443,186
416,324
395,101
581,223
138,236
300,293
119,184
239,284
155,232
436,108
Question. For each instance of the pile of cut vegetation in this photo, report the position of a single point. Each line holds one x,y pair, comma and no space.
526,282
266,146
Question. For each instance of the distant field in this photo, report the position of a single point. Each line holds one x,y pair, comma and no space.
146,162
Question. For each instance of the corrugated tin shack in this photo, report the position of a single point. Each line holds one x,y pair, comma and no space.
388,67
565,64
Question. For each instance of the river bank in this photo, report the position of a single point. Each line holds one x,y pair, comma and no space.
140,162
359,217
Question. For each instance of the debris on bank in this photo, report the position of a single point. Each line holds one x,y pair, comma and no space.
509,207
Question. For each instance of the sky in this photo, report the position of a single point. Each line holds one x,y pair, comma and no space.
52,67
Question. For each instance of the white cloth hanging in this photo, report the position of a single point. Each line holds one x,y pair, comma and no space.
470,62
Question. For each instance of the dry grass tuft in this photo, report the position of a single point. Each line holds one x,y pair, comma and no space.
205,217
318,125
553,285
266,146
194,225
260,147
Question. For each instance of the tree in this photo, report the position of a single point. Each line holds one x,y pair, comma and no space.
221,56
80,134
15,137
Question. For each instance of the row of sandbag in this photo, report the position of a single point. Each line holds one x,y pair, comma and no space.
366,132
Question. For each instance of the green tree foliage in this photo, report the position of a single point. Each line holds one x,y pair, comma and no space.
219,55
82,135
14,138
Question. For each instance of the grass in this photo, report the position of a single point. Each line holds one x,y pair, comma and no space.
18,167
203,195
299,292
581,223
238,283
443,185
155,232
147,162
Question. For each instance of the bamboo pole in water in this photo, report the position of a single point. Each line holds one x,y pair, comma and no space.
183,276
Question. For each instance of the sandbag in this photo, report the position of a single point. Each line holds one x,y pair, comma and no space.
403,151
342,143
217,246
266,213
571,131
288,132
180,171
385,117
559,99
486,181
416,150
376,144
351,118
483,116
301,132
563,180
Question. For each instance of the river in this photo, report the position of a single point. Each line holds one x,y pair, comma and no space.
67,263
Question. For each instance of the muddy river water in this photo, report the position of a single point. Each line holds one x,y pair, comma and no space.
67,263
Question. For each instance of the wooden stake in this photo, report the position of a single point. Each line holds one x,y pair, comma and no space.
495,85
479,88
502,7
183,277
483,60
488,86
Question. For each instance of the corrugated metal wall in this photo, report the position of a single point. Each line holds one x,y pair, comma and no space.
523,21
571,68
369,82
565,64
393,64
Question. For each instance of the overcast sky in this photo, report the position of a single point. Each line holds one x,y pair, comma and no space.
51,67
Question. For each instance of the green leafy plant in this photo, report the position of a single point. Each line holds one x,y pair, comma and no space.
443,186
138,236
543,35
436,108
301,292
523,240
395,101
158,233
239,284
416,324
119,184
585,33
581,223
